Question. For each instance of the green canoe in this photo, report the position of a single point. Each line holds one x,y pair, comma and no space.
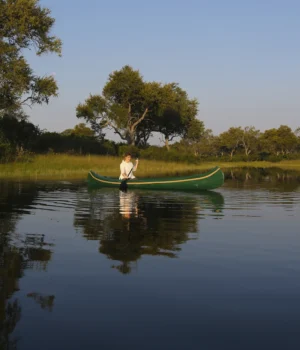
210,180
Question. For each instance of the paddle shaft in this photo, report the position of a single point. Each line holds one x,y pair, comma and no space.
123,184
129,173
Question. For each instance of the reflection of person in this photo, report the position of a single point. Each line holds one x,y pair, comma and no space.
128,204
126,167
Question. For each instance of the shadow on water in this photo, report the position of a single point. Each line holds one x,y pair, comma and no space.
16,255
136,223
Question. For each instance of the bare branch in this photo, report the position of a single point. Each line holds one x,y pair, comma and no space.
116,131
140,119
175,135
129,114
26,99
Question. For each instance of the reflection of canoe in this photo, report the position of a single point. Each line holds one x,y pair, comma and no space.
214,178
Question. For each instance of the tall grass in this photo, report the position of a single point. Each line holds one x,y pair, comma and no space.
76,167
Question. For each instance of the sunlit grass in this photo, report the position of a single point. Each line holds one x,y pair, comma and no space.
77,167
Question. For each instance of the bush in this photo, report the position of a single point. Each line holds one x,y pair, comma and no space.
123,149
73,144
173,155
243,158
19,132
23,156
6,151
274,158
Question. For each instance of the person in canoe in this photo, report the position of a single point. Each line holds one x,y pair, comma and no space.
127,168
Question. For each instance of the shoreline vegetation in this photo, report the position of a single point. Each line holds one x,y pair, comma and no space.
136,110
71,167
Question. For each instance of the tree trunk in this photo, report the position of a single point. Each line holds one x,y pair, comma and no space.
130,137
131,129
132,143
167,143
130,140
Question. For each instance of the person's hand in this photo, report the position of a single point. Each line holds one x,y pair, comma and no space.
137,161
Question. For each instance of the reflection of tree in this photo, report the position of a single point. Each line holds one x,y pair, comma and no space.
45,301
34,253
10,272
15,255
139,223
12,314
274,179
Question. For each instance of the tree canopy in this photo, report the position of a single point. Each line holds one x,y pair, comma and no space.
79,130
281,140
134,108
230,140
24,24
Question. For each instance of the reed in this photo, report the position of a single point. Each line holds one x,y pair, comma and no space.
62,166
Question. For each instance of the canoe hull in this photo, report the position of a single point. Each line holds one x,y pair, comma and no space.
207,181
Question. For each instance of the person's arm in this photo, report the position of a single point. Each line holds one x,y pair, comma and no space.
136,165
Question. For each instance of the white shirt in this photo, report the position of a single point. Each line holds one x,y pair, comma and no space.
125,169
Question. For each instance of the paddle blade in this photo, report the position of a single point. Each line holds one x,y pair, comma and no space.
123,186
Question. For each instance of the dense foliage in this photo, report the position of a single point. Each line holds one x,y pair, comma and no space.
19,139
24,24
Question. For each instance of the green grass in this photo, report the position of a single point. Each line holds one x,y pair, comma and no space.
76,167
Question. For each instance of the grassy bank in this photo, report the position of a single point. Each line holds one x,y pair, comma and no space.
76,167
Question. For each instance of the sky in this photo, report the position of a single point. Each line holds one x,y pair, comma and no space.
240,59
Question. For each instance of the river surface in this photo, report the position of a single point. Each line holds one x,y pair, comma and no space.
100,269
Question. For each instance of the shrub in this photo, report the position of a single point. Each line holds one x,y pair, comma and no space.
123,149
173,155
73,144
274,158
6,151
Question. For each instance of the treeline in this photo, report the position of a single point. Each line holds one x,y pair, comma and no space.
245,144
20,140
235,144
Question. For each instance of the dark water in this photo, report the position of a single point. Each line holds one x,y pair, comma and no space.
151,270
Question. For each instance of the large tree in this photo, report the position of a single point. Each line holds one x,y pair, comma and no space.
133,108
24,24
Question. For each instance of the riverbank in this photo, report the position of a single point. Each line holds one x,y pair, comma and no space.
76,167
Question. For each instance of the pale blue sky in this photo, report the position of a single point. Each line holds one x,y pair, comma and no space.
240,59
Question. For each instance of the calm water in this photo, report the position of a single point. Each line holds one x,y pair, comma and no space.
98,269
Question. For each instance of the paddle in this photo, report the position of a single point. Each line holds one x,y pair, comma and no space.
123,184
